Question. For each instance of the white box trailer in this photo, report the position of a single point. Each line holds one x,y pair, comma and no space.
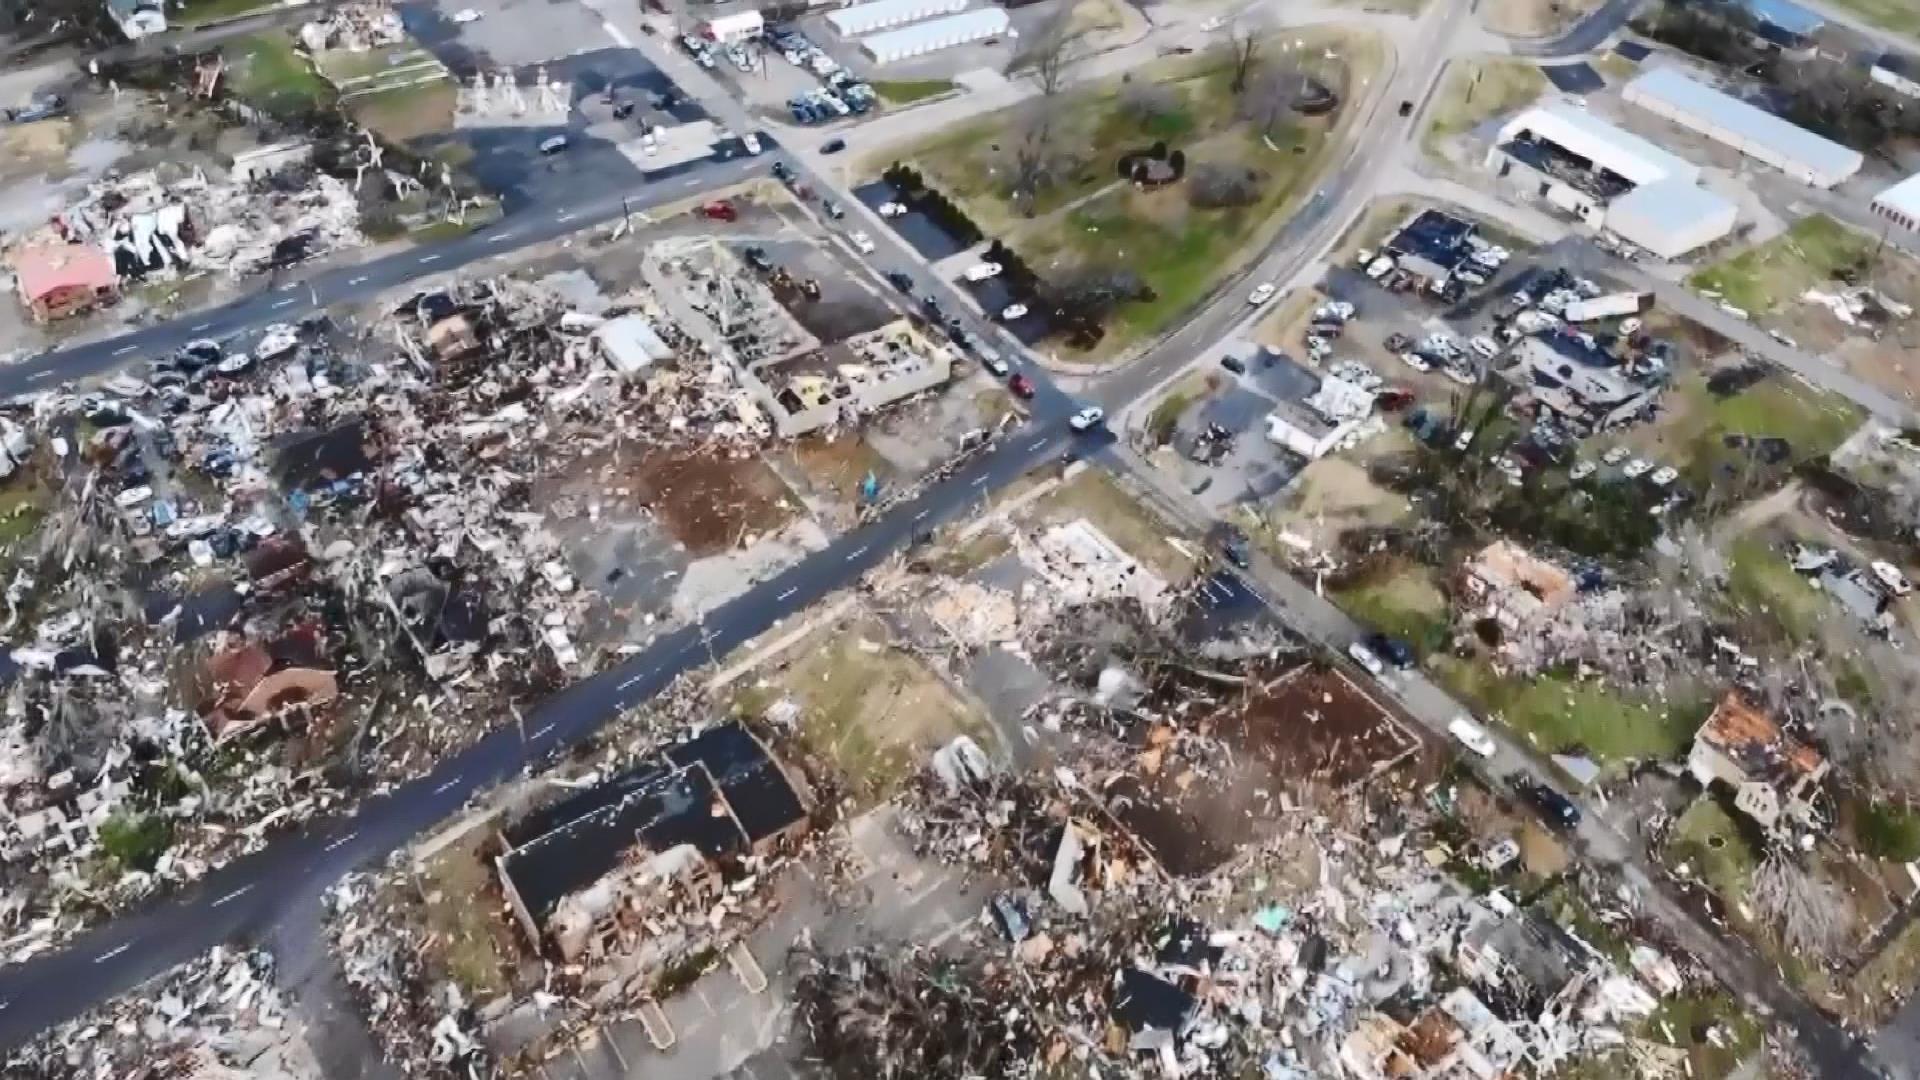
886,14
1609,306
735,27
936,34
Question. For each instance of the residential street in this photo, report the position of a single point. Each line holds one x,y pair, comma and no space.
253,898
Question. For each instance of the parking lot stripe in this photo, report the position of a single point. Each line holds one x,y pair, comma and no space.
619,38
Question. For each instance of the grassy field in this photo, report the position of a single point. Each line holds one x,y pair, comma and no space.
1710,842
1779,270
268,74
1871,997
1899,16
908,91
1558,713
1402,601
463,912
1478,90
1739,1031
1769,591
1814,422
408,113
1087,217
872,711
1094,496
1166,415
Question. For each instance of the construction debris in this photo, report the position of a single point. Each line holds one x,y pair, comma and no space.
216,1018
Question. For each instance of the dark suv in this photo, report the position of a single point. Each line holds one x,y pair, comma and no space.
1555,807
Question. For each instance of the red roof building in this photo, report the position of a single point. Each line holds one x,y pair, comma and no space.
61,280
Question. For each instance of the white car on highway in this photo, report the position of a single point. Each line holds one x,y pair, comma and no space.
1472,736
1088,418
1366,659
861,242
466,15
1262,293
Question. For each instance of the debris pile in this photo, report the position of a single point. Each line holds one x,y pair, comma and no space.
217,1017
424,1025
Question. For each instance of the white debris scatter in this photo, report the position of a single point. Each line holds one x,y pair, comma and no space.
217,1018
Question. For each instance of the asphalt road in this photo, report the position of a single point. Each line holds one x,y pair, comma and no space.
244,898
290,300
1584,36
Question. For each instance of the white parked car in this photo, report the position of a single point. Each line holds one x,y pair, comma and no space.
980,271
133,496
861,242
1380,267
1365,658
892,209
1484,346
1013,311
1783,339
1614,456
1415,361
466,15
1890,576
1463,440
1664,475
1472,736
1581,470
1088,418
751,142
1737,312
1638,467
1262,293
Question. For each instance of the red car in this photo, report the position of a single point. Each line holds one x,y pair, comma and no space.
1021,386
719,211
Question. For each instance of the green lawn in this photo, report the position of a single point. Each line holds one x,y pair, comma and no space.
1814,422
1085,217
1734,1022
267,73
1715,850
1479,90
1899,16
1767,590
1561,713
908,91
1778,271
1401,601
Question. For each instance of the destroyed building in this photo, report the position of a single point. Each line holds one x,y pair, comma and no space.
1775,777
58,281
851,379
1514,587
586,874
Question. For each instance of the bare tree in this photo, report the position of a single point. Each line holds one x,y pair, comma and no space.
1051,51
1266,102
1245,34
1147,101
1810,913
1214,184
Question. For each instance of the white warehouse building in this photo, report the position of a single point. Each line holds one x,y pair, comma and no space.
936,34
1753,131
886,14
1900,204
1610,178
1671,217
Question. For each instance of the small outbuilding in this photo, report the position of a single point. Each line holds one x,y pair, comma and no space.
58,281
936,34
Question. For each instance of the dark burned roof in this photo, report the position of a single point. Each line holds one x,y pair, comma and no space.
308,459
680,806
752,781
720,791
1146,1000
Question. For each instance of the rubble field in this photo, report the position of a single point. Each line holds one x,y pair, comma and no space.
710,504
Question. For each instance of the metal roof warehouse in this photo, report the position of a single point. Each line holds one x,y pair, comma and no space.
1749,129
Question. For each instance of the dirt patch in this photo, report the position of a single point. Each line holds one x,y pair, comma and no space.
709,503
461,901
1305,728
1334,495
869,711
28,149
1533,18
1093,495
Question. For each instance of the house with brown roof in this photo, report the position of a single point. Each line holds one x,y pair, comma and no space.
1774,776
57,281
1514,587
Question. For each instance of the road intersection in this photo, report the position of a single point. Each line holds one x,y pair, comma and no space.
246,898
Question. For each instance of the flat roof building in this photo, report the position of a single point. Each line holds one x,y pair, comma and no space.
1755,132
1671,217
887,14
1900,203
1606,147
936,34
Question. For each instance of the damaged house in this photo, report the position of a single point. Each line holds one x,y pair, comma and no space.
1774,776
1514,587
58,281
254,684
586,874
